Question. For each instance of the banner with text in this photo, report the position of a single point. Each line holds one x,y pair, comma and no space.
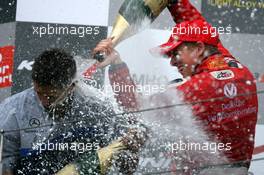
6,66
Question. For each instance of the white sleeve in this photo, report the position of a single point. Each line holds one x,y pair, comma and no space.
11,141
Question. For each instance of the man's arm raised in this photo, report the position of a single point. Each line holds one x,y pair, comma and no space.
122,83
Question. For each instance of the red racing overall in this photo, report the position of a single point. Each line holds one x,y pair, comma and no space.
231,114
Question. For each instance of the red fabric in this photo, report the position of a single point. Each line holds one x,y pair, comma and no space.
259,150
262,78
6,66
124,88
183,10
229,120
90,71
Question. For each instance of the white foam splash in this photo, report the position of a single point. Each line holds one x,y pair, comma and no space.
168,126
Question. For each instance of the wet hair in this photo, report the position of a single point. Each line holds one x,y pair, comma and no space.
55,68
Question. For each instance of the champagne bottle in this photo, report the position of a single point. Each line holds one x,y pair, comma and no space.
94,163
133,14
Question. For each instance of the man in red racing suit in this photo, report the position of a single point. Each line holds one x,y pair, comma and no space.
222,90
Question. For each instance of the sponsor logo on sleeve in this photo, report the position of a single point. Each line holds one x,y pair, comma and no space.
230,90
223,75
34,122
233,63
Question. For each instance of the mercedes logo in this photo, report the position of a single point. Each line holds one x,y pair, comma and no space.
34,122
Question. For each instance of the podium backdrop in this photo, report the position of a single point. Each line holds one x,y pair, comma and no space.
27,27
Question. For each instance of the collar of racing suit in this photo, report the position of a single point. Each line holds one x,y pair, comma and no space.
215,61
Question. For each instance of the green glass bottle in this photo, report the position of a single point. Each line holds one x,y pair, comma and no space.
93,162
133,13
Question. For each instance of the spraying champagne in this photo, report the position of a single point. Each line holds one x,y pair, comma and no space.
133,14
130,19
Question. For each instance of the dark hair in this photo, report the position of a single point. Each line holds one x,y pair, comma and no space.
54,68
